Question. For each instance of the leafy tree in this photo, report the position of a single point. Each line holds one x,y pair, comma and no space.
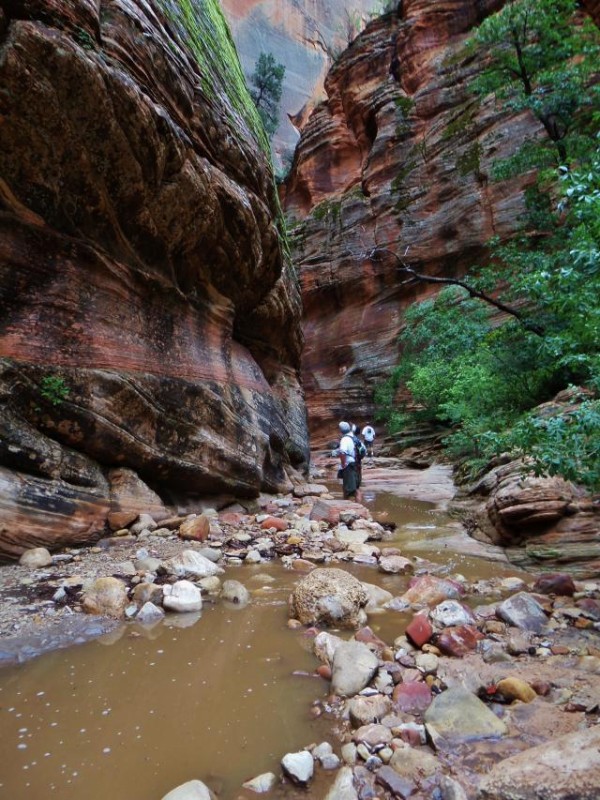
482,374
541,58
267,80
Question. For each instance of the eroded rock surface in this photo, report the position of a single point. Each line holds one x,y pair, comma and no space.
149,318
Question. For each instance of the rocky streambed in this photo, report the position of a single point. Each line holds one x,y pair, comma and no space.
420,678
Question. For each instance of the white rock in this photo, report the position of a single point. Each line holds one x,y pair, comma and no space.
262,783
192,790
149,614
190,563
299,767
182,596
36,558
253,557
322,750
144,523
349,753
343,786
235,592
450,613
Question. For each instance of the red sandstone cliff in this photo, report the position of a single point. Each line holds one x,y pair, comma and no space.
398,156
148,318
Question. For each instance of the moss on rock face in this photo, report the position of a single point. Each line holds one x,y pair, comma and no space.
203,28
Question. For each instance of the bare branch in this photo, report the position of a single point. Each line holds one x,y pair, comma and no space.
472,292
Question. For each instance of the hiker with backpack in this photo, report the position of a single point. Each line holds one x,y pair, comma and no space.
360,452
368,434
348,472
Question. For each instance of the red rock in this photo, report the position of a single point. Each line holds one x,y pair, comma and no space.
196,529
557,583
419,630
410,736
367,636
429,590
324,671
458,641
274,522
330,510
412,698
231,517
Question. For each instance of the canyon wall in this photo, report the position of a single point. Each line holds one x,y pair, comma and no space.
398,157
303,35
150,321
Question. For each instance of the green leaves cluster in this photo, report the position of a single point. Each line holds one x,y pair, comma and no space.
482,375
54,389
541,58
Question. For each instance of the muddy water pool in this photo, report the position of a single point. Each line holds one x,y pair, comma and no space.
220,698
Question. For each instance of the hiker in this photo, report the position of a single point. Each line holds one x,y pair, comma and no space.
360,451
347,452
368,434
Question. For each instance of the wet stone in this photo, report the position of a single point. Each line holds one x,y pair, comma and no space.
299,767
412,698
419,630
388,778
457,716
522,610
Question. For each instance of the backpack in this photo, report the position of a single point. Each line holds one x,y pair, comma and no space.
359,449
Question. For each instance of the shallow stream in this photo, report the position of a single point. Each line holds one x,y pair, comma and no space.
220,698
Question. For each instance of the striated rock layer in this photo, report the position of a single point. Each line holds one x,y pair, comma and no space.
149,319
398,157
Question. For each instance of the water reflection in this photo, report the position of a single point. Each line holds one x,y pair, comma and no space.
210,696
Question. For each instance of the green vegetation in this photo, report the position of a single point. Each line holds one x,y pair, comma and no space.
54,389
267,80
203,28
541,60
483,375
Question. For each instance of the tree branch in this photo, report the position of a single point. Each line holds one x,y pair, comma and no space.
472,292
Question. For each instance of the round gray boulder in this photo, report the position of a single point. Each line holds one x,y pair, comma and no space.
329,597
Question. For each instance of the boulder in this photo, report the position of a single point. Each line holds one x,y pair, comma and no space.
235,592
36,558
130,497
457,716
106,596
196,528
458,641
262,783
513,688
343,786
299,767
396,565
451,613
413,697
558,583
419,630
192,790
329,597
331,510
182,596
191,564
523,611
567,768
364,710
429,590
376,598
352,669
149,614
